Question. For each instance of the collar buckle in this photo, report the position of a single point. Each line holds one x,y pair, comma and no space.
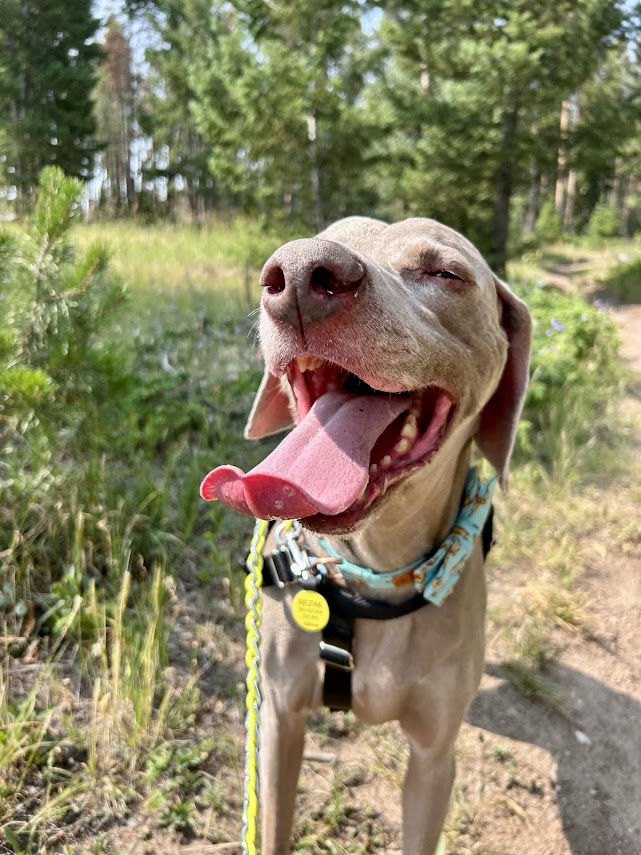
290,563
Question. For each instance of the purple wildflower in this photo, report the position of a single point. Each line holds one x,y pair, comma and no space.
557,325
601,305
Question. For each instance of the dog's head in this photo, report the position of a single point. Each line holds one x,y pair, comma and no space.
382,344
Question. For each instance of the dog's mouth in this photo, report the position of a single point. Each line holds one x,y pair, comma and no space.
352,442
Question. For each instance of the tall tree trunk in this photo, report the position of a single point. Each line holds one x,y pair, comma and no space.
628,203
425,79
503,197
314,175
561,178
570,196
534,199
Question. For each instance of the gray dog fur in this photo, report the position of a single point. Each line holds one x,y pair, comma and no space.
402,328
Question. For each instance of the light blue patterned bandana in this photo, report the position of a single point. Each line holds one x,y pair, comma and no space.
436,576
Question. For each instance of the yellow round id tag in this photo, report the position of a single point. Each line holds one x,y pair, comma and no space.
310,611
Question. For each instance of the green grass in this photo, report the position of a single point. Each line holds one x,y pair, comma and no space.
166,261
585,264
623,281
101,515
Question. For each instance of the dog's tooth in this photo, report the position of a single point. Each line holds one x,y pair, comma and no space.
308,363
410,428
373,469
402,446
386,461
361,495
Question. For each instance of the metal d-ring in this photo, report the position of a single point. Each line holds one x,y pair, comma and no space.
303,566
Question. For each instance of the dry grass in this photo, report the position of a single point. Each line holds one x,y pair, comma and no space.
170,260
72,748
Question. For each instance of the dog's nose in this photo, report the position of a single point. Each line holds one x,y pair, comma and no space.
307,281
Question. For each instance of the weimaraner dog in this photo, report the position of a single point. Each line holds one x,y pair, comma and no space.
390,348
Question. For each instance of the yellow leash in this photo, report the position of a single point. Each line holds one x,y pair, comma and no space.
253,582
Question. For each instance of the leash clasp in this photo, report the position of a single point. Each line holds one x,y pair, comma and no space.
290,562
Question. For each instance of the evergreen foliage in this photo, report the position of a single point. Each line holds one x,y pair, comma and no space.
115,114
301,112
605,222
48,59
57,303
56,378
487,80
548,226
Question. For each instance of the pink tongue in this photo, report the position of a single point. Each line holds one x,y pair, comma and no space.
320,467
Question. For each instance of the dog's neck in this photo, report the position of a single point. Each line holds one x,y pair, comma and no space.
415,518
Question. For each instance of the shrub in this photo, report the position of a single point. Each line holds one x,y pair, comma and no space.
548,226
57,303
102,448
56,384
624,281
575,377
605,222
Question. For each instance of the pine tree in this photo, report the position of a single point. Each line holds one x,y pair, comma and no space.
114,108
179,153
277,97
604,146
48,59
497,73
261,104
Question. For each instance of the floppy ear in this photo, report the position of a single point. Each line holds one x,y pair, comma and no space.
500,415
271,410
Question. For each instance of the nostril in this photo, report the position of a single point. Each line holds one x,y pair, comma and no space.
324,282
273,280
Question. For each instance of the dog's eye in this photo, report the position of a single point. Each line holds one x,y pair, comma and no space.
443,274
428,274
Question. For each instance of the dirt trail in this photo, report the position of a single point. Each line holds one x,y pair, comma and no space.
576,781
629,320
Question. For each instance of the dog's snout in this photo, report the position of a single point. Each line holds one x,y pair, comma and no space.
307,281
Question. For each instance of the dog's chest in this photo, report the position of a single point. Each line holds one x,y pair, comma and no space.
407,658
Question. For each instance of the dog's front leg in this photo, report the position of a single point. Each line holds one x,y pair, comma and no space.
426,794
281,753
290,688
431,723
